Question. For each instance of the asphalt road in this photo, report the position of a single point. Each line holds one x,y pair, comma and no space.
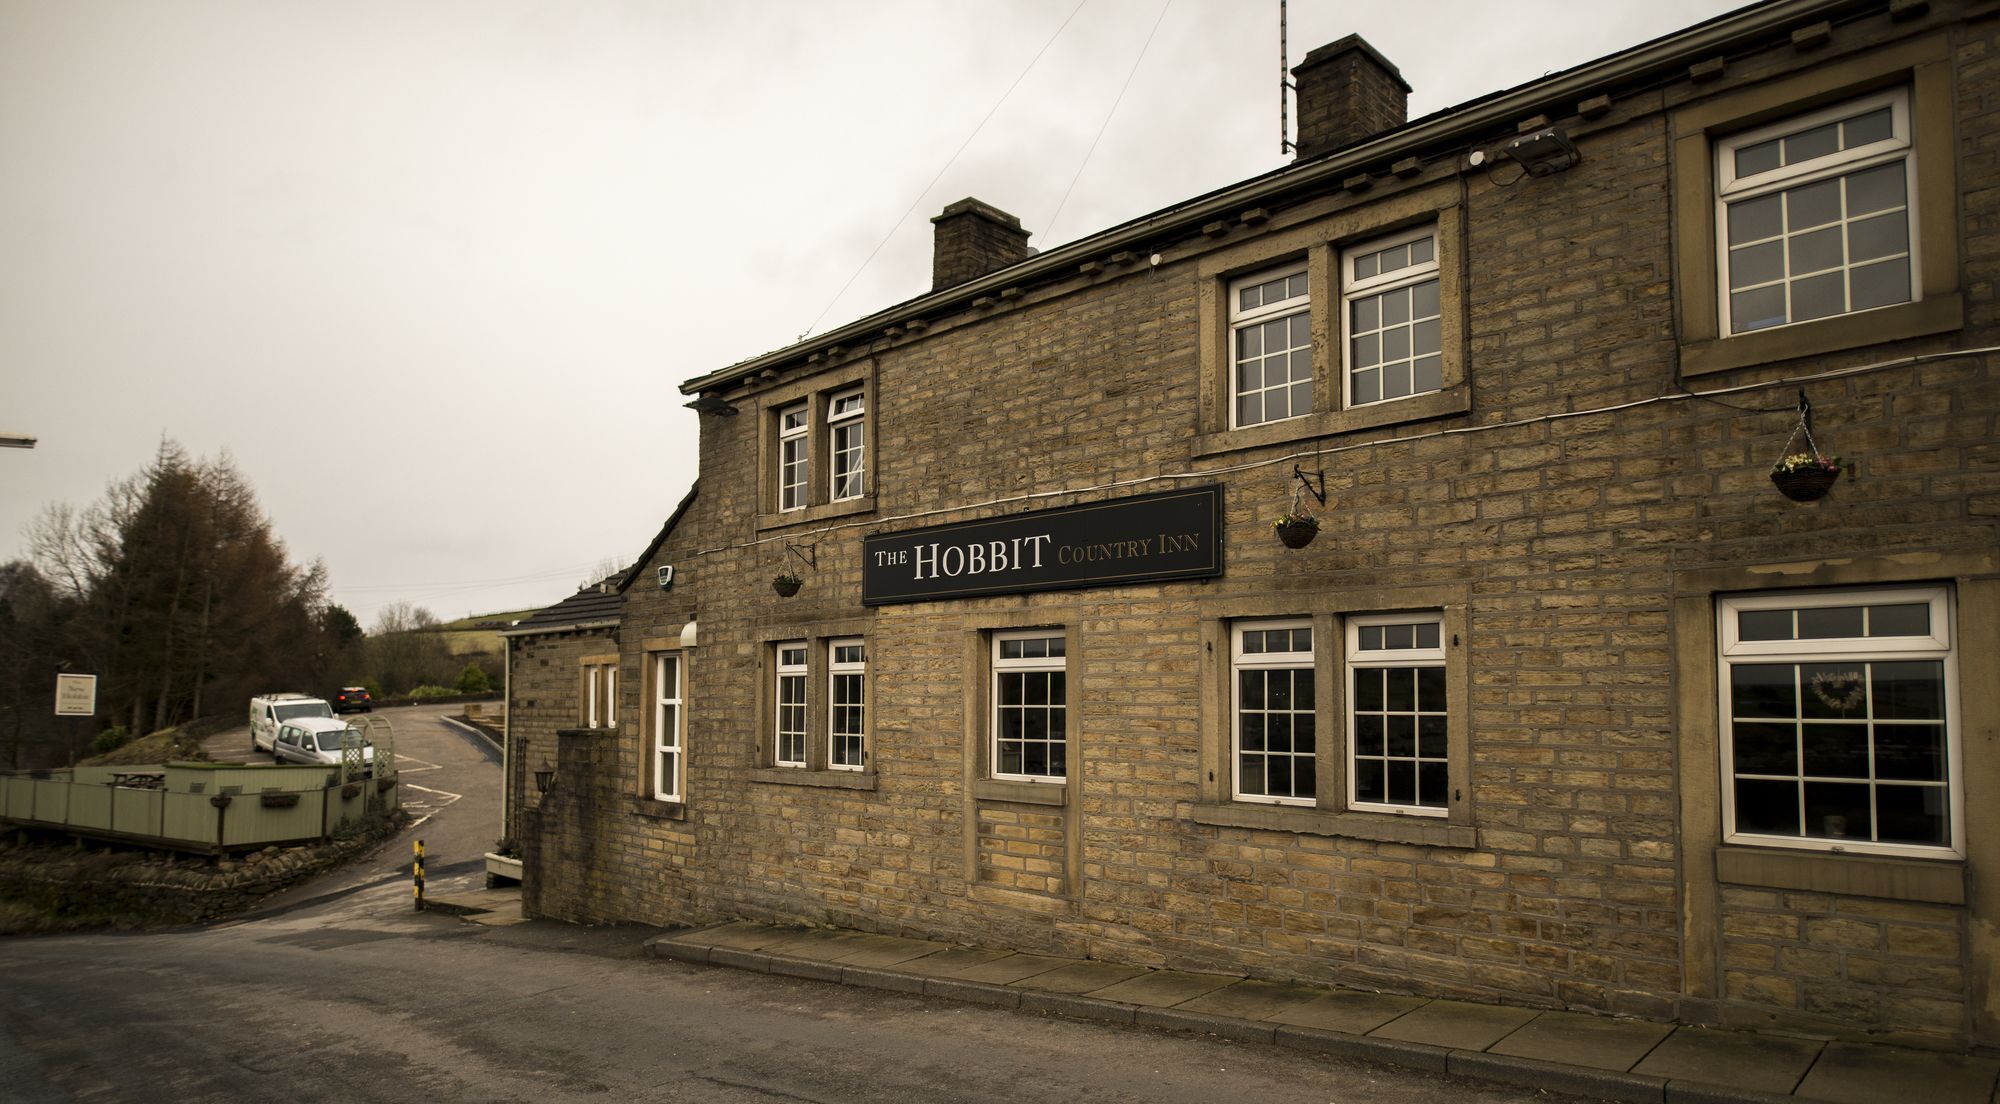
342,992
450,786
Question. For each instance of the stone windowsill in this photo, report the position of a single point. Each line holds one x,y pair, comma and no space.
1375,827
1934,881
824,779
659,810
822,512
1417,408
1021,793
585,733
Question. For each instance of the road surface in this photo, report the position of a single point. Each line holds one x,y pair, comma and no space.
342,992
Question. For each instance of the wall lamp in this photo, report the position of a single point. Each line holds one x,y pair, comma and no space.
708,402
545,777
1544,152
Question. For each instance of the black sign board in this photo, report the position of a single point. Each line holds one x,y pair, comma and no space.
1174,535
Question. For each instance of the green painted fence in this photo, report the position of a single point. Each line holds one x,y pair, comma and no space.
201,806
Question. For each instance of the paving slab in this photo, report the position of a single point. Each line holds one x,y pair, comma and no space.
740,935
814,943
1344,1010
1252,1000
1081,977
1007,971
1852,1073
1455,1025
1163,988
948,962
887,950
1737,1059
504,916
1599,1042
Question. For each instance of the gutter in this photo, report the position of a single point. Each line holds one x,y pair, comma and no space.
543,630
1675,51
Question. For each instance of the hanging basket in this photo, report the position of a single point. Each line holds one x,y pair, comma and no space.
1805,484
787,585
1804,475
1296,534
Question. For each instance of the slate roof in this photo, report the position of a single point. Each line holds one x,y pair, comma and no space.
590,606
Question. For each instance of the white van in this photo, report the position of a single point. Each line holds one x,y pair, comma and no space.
270,710
315,741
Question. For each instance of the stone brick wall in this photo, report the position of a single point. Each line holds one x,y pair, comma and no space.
545,675
1886,965
1570,537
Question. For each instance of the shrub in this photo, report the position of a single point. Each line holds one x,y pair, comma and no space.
473,680
432,691
111,739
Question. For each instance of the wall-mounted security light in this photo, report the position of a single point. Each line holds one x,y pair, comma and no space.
708,402
1543,152
666,576
16,440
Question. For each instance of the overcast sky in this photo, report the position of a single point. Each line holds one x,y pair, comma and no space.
430,272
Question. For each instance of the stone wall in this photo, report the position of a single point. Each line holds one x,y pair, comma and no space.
1565,499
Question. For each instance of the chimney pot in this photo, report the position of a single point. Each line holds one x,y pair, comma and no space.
973,239
1347,93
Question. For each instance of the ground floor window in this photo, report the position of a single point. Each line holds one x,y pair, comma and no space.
1030,705
668,718
1275,722
600,693
1838,726
789,743
1398,714
847,704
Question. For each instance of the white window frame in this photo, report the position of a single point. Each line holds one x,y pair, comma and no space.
1271,661
1241,319
600,683
837,668
847,445
669,717
1731,188
1029,665
794,456
789,666
1375,659
1353,290
1938,645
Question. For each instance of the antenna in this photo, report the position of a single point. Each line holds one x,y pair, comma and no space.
1284,88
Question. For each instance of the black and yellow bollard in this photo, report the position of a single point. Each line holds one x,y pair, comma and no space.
417,871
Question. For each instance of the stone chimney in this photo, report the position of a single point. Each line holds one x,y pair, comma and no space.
973,239
1347,92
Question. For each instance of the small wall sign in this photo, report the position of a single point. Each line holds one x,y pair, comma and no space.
76,695
1150,538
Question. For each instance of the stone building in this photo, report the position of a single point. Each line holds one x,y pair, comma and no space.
1565,705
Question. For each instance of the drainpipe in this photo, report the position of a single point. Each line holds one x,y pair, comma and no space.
506,734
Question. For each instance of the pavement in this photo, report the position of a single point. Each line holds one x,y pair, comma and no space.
1602,1056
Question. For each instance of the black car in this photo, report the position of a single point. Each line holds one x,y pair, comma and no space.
353,699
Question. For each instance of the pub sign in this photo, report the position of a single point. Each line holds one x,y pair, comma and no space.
1144,539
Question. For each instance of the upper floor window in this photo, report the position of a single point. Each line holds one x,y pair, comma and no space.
847,445
1276,754
793,457
1398,714
1814,215
1030,705
789,737
1395,335
1270,320
1839,728
847,705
